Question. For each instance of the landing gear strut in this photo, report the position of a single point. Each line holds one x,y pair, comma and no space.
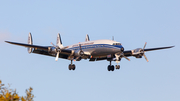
110,67
72,66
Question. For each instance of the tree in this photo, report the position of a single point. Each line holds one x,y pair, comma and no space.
7,94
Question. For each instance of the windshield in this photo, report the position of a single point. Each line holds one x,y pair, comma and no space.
116,43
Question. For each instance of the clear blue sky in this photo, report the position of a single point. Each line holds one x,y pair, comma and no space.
131,22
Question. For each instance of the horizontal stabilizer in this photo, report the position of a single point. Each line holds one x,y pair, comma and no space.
30,42
59,41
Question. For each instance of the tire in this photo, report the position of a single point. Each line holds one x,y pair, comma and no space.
70,67
73,67
112,68
108,68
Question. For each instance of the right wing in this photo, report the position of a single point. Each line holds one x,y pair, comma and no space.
44,50
28,45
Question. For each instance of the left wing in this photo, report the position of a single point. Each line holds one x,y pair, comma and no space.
139,52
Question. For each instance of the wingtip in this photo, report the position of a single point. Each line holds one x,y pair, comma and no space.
7,41
171,46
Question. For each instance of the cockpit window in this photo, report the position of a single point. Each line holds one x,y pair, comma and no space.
116,43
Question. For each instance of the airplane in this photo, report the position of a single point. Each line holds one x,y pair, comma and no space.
97,50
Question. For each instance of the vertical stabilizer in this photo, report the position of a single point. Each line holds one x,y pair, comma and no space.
30,41
59,42
87,38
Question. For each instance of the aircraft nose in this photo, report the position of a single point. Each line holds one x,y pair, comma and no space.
122,49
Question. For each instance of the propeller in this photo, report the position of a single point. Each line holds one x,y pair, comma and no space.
125,56
144,52
81,51
58,50
57,56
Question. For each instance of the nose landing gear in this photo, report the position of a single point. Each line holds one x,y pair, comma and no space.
117,66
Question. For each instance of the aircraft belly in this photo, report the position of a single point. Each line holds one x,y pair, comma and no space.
104,51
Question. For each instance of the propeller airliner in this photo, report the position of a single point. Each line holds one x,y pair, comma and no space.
97,50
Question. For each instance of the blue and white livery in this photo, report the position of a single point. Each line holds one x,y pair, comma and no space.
97,50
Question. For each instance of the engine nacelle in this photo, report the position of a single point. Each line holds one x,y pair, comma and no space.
137,51
138,56
78,53
52,50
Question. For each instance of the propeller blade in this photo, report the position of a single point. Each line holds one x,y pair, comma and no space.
127,58
145,57
81,51
80,47
57,56
53,45
144,46
122,54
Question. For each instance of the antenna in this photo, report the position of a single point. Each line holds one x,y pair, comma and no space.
113,38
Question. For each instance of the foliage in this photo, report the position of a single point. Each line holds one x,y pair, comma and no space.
7,94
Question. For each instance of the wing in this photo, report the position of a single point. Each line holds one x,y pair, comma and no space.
138,51
28,45
159,48
43,50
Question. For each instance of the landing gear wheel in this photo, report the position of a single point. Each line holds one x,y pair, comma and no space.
117,66
70,67
73,67
110,68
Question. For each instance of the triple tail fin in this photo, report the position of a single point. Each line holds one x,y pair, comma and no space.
59,42
87,38
30,42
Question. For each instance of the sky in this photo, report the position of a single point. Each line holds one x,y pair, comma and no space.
131,22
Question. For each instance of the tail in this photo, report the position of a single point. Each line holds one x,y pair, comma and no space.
87,38
59,42
30,41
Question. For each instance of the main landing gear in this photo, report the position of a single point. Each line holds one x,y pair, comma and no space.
111,67
72,66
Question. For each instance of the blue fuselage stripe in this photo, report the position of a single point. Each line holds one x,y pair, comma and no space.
96,46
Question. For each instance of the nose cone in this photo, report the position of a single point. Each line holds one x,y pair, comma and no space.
122,49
